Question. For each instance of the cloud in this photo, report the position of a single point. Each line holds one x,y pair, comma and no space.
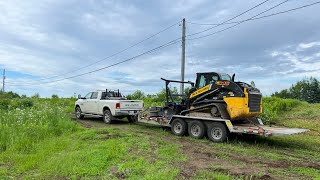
309,45
57,37
117,20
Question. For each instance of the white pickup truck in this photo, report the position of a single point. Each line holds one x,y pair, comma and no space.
107,104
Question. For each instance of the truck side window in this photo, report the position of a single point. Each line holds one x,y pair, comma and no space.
88,96
94,95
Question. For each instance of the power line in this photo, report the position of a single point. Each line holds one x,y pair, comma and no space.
117,53
172,40
261,17
177,40
216,32
129,59
229,19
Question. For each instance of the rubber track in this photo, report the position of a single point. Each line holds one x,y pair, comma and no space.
222,107
223,110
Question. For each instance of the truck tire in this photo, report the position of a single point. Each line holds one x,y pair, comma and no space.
217,132
179,127
107,116
78,113
196,129
132,119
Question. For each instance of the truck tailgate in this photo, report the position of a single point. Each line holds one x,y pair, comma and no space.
266,130
131,104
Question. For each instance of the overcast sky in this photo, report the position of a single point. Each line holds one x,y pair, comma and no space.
41,39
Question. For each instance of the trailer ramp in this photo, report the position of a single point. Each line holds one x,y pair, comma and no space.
266,130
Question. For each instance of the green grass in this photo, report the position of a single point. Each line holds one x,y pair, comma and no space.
91,153
212,175
21,128
43,142
305,171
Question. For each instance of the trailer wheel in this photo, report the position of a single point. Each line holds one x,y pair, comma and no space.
78,113
196,129
179,127
107,116
217,132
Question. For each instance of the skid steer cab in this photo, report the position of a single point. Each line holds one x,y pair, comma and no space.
216,105
224,97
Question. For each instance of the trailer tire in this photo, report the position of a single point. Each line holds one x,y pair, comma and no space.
217,132
196,129
78,113
179,127
107,116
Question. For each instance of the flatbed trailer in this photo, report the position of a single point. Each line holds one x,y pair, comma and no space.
200,121
216,129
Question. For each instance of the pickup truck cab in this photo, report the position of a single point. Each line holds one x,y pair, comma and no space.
109,105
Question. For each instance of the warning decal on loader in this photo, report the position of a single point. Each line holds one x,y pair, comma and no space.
223,83
200,91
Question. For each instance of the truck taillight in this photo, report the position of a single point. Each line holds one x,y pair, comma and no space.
118,106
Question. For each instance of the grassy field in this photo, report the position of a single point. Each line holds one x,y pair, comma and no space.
42,141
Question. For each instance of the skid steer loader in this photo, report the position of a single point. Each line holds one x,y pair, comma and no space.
216,105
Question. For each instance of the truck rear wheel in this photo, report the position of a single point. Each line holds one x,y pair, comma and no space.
217,132
107,116
196,129
179,127
78,113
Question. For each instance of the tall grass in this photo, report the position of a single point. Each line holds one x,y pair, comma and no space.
273,107
23,126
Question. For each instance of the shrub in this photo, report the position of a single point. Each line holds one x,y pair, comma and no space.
4,103
273,106
27,102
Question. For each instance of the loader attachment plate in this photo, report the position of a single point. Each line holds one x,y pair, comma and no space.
266,130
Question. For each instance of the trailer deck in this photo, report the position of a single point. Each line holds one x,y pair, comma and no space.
234,127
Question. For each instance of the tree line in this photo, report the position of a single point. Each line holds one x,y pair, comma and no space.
307,89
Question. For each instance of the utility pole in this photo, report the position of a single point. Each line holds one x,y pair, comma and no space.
183,54
3,79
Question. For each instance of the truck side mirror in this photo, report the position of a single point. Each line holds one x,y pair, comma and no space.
79,96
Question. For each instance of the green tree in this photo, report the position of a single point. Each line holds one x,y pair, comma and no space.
36,95
136,95
23,96
9,95
304,90
54,96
